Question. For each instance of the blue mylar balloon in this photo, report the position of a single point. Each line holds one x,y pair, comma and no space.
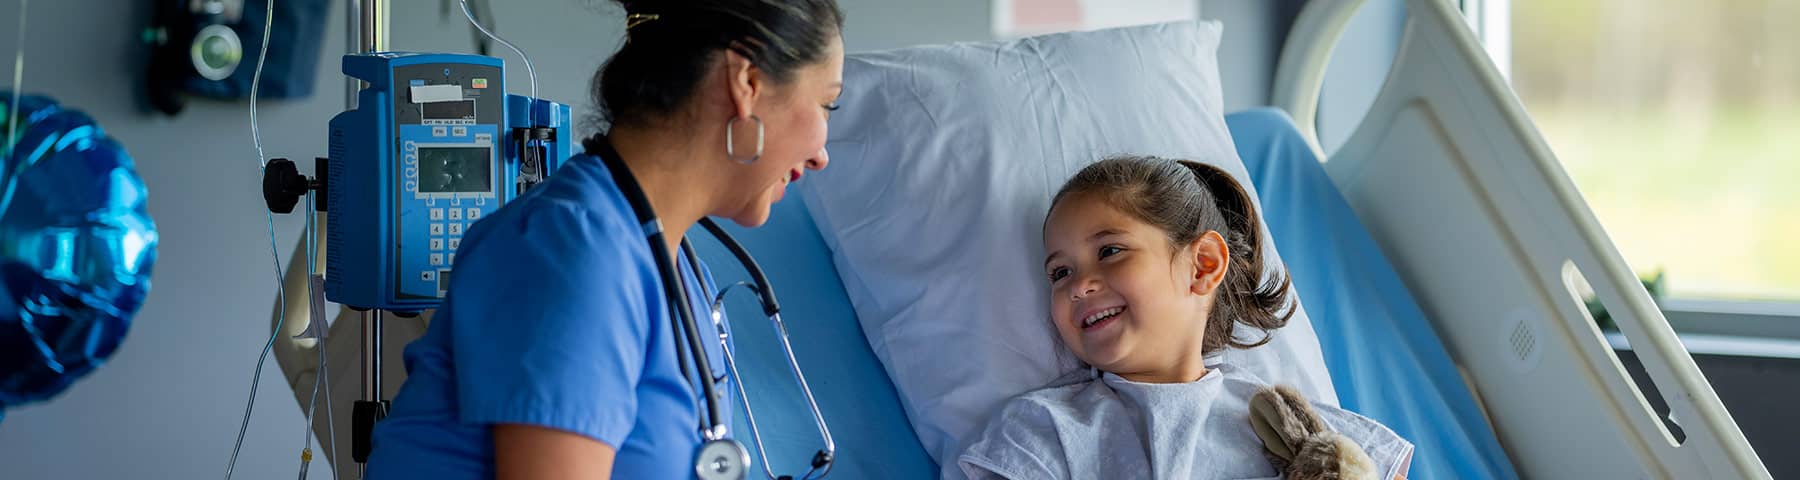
76,249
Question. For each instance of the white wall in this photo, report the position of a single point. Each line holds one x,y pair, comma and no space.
168,404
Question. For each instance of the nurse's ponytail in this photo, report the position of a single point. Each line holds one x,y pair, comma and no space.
1186,199
670,45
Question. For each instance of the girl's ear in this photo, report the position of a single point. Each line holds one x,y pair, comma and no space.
1211,260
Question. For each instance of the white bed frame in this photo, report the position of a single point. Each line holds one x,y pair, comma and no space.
1465,198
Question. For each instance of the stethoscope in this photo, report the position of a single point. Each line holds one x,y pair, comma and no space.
718,457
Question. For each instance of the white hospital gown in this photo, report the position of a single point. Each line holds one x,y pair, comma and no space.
1117,429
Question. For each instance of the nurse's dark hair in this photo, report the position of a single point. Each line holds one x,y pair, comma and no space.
1186,199
671,44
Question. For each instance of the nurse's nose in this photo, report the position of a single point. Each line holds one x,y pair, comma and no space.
819,162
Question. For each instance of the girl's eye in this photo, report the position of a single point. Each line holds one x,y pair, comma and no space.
1058,273
834,106
1110,250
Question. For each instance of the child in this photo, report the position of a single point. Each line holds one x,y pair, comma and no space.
1151,262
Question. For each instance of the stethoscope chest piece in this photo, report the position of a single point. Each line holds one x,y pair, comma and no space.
721,459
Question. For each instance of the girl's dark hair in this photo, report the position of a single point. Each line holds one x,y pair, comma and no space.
671,44
1186,199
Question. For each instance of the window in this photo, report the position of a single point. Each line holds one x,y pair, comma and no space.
1679,122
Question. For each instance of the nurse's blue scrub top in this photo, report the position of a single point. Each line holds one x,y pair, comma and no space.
555,317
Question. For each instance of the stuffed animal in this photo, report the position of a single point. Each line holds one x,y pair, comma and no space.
1299,443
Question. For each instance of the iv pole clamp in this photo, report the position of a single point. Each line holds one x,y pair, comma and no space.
283,185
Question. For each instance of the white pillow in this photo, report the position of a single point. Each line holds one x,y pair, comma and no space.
944,160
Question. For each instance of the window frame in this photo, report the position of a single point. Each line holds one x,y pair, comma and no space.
1715,327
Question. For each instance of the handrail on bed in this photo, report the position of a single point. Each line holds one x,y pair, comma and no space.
1300,73
1515,184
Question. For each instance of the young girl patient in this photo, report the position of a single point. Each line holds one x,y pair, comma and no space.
1150,264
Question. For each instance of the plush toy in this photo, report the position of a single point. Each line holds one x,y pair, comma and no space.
1299,443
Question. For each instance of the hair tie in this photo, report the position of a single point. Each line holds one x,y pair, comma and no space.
635,19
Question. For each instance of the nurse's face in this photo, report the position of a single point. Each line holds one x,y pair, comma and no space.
794,118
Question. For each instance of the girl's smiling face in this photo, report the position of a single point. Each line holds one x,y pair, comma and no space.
1122,298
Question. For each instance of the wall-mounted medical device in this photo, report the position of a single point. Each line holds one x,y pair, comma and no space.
209,48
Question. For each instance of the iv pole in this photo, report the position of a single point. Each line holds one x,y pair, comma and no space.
367,29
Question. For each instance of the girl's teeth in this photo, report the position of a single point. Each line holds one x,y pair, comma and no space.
1102,315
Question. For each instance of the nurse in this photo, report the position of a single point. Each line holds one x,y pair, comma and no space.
554,355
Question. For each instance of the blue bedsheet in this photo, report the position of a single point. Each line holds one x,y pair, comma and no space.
1385,358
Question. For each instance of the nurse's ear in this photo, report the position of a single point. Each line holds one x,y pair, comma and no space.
744,81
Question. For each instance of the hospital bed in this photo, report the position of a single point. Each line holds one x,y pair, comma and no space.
1439,248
